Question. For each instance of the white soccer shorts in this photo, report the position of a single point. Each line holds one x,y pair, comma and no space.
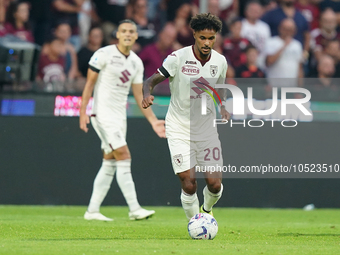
187,154
112,136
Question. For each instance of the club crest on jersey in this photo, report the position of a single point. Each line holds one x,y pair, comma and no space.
178,159
190,70
213,70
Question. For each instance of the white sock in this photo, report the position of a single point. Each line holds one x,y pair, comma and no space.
211,198
126,184
190,204
102,184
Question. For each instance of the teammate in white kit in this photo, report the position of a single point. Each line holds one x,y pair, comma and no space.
112,71
192,138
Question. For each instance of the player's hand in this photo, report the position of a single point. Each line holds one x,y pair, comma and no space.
83,121
159,128
147,101
225,114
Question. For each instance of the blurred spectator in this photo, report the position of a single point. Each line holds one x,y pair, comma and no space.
111,12
332,49
325,86
228,9
172,7
52,63
183,15
266,5
17,16
66,11
284,56
332,4
40,19
327,31
269,5
254,29
285,10
95,41
3,8
214,8
250,69
154,54
218,46
234,45
145,28
85,21
326,69
310,11
63,32
152,4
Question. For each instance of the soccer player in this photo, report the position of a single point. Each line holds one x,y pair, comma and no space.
112,71
192,139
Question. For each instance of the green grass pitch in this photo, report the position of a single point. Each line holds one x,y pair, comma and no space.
62,230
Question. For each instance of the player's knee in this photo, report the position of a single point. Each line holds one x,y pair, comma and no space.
189,186
122,153
214,186
122,156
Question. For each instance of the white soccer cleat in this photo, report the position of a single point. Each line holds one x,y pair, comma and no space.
96,216
141,214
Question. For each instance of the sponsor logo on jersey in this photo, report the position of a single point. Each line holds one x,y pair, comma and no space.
121,85
190,62
190,70
213,70
178,159
125,77
116,63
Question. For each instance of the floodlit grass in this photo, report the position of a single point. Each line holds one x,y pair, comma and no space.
62,230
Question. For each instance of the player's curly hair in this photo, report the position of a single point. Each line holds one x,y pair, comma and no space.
206,21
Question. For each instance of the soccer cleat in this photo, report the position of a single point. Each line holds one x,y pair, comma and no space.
96,216
204,211
141,214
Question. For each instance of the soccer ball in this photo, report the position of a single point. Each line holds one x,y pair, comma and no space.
202,226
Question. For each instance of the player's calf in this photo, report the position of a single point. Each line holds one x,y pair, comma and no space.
211,198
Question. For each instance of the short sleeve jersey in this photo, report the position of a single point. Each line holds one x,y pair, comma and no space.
189,78
116,74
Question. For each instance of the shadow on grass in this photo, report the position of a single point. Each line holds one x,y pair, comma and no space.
300,234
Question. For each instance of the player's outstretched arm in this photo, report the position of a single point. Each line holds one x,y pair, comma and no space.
157,125
148,86
90,82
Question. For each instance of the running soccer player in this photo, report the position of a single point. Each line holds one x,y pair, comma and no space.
192,139
112,71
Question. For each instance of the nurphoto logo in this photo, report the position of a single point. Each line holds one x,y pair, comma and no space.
238,104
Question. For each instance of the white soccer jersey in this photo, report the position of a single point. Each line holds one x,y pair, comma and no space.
116,74
188,76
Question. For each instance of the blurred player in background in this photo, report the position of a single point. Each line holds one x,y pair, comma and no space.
112,71
192,138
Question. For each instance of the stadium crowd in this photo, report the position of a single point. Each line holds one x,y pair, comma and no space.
264,38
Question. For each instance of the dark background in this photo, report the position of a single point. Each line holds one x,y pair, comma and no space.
50,161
